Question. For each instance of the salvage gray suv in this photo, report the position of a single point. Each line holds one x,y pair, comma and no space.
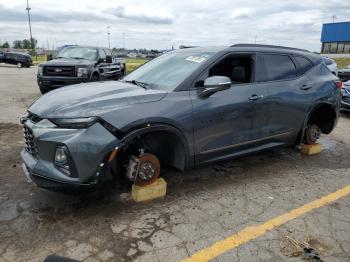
183,109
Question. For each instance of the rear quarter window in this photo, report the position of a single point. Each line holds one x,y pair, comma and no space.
276,67
303,64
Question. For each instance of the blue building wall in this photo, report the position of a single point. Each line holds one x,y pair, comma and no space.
336,32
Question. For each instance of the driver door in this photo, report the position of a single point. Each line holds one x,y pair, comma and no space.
228,121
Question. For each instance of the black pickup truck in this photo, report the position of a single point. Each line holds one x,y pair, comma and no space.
77,64
14,58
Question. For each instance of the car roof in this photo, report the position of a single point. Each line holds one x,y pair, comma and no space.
17,53
257,48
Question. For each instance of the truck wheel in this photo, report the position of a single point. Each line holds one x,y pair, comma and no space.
149,169
312,134
19,64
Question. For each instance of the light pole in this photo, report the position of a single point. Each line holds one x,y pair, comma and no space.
30,26
109,40
334,17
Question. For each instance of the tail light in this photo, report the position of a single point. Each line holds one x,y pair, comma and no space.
339,84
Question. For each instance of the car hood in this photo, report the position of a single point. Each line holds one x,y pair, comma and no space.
69,62
92,99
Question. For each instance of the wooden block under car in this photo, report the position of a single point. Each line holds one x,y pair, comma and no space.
152,191
311,149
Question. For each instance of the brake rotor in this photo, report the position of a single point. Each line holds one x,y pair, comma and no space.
149,169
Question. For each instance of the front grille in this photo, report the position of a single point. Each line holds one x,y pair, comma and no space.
65,71
30,145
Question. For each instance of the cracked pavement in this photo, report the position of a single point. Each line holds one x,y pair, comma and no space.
201,206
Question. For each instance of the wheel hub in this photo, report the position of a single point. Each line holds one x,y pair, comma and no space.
144,169
147,171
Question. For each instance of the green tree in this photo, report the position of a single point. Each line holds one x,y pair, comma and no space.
6,45
34,42
26,44
17,44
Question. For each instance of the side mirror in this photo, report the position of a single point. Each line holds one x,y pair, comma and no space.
108,59
214,84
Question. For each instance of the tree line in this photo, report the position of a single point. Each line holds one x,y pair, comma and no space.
21,44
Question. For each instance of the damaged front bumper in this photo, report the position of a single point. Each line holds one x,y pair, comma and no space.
86,151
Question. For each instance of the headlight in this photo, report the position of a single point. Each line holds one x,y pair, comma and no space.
82,71
82,122
40,70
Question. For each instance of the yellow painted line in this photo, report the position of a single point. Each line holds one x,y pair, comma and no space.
250,233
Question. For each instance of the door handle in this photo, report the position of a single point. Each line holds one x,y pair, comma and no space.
305,87
256,97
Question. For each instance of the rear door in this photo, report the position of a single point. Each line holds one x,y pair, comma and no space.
10,58
287,97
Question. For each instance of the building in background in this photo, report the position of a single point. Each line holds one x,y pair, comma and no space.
335,38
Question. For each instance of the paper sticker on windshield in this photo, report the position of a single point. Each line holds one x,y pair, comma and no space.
197,59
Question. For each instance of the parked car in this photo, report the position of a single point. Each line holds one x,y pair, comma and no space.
77,64
344,73
345,101
331,64
183,109
14,58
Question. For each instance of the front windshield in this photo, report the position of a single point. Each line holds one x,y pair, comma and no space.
169,70
78,53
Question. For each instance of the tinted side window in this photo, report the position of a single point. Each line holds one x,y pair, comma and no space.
12,56
304,64
279,67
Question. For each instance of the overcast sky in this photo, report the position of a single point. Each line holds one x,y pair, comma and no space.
160,24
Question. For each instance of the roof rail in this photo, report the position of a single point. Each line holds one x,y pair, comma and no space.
270,46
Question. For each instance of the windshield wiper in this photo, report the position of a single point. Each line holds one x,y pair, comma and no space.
138,83
77,57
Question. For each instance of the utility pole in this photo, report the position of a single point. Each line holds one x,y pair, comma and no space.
30,26
123,40
334,17
255,37
108,34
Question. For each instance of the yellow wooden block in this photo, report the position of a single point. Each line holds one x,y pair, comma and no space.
311,149
152,191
